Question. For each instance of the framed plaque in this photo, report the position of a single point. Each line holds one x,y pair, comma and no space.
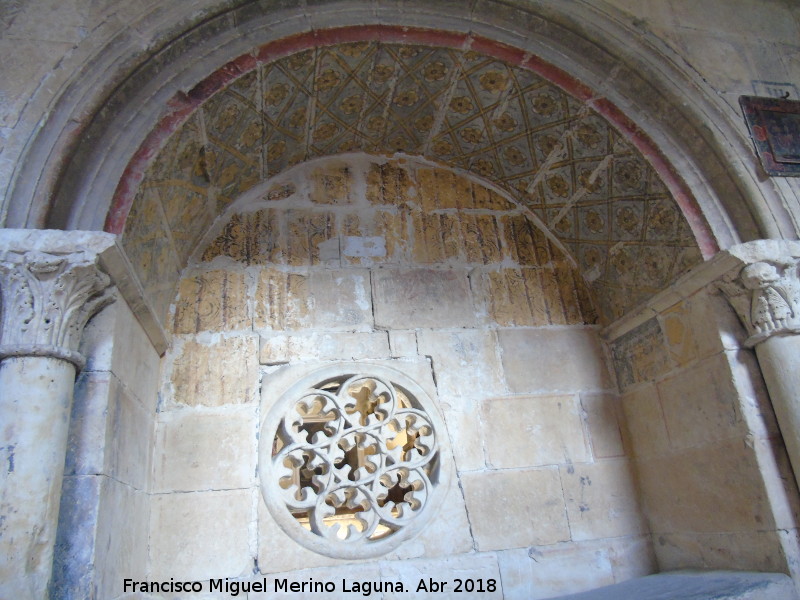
775,128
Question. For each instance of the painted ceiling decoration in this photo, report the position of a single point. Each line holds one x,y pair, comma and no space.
472,112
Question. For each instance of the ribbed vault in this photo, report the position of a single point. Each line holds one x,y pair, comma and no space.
573,172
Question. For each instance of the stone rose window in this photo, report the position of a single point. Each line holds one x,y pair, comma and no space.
355,463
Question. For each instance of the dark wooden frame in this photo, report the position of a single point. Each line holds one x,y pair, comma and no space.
775,129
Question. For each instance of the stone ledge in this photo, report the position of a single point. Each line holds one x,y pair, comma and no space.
697,585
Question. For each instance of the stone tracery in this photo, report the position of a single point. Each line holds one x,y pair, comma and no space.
374,459
355,460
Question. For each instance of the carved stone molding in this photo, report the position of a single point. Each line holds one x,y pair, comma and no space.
47,298
766,296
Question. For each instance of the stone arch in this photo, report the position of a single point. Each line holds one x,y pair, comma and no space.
565,151
634,74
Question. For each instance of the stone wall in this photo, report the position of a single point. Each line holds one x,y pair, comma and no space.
404,264
105,504
716,485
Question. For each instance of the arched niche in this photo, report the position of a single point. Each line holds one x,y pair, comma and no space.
571,161
360,263
65,175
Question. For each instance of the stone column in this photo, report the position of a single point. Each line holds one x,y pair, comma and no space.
765,293
50,285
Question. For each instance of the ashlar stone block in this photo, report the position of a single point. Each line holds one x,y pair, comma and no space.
462,417
513,509
332,184
706,489
700,404
437,238
479,568
223,372
533,431
281,300
340,299
603,421
403,343
134,360
553,360
121,544
515,297
280,349
602,500
212,301
422,298
251,238
306,230
645,423
198,451
481,238
553,570
525,243
465,360
640,355
436,189
129,438
387,184
324,299
201,535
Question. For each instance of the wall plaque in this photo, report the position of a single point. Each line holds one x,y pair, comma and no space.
775,128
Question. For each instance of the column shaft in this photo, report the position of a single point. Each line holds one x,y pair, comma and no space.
779,358
764,289
35,403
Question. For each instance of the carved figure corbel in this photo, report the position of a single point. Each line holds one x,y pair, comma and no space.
766,296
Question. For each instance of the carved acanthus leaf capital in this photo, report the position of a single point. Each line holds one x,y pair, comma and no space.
766,296
47,300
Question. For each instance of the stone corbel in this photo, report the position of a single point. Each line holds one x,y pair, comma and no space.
47,298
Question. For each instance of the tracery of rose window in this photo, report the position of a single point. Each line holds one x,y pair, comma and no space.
355,460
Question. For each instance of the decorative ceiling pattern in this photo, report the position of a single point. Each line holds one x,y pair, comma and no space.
500,122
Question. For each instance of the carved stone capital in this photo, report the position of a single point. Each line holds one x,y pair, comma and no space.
766,296
47,298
